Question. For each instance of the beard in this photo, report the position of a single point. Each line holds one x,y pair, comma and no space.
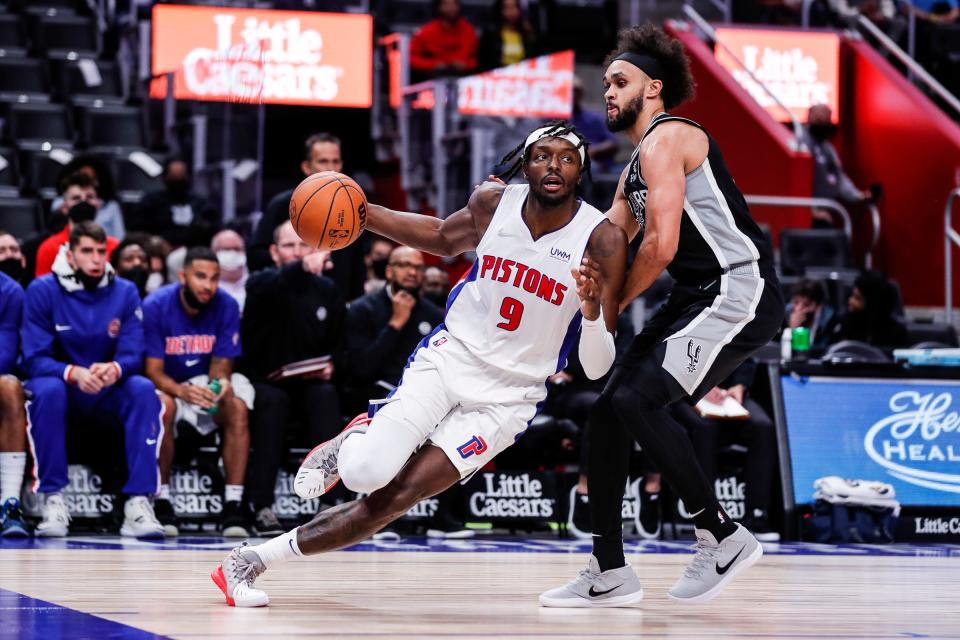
193,301
627,116
549,199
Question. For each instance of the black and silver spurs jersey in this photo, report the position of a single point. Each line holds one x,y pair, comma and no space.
717,232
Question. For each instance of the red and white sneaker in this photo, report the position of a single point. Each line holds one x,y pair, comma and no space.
318,472
235,577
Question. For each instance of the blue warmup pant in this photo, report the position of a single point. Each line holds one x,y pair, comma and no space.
132,401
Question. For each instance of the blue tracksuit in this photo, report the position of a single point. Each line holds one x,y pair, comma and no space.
11,316
63,328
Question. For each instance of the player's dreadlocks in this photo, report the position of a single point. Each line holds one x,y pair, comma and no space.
519,155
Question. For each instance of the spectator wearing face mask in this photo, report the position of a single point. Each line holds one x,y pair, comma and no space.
109,215
131,263
176,213
232,255
829,179
12,261
436,286
80,204
376,260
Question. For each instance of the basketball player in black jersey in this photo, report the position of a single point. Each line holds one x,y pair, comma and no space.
677,193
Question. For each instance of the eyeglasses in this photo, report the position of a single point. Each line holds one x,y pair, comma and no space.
419,268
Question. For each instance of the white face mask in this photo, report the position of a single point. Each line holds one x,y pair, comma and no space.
232,259
154,282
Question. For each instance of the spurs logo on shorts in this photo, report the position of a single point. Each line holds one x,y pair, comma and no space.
473,447
693,355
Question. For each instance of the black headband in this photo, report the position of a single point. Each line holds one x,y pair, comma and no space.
648,64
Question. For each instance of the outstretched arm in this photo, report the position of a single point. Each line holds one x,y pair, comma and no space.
459,232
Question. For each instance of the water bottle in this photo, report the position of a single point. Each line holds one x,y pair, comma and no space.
800,343
215,387
786,345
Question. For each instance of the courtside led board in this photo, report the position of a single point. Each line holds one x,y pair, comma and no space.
279,57
801,68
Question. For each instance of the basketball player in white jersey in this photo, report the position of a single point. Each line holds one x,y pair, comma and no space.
677,193
472,386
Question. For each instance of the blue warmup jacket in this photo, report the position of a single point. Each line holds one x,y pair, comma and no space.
61,328
11,316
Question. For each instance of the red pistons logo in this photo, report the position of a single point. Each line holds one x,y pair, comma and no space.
113,329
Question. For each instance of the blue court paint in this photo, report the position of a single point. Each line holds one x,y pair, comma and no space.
25,617
483,543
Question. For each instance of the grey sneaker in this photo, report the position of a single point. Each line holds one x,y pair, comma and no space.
318,472
714,565
613,588
235,577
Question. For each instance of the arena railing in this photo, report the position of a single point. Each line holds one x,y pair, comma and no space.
813,203
709,31
917,73
950,235
905,6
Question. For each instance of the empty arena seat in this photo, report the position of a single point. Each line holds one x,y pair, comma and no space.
61,34
32,126
20,216
111,128
802,248
9,174
924,332
132,181
101,83
23,79
40,172
13,41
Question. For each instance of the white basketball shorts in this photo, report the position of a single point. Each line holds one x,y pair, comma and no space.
469,409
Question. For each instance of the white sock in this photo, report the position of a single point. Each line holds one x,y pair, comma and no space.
12,466
278,550
233,493
164,493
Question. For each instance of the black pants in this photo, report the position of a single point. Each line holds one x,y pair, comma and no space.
636,399
756,434
314,402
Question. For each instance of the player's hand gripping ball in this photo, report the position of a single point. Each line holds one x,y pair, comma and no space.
328,210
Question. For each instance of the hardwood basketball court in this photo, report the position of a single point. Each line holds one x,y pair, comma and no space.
108,588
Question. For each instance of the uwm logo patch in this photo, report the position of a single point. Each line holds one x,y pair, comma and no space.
472,447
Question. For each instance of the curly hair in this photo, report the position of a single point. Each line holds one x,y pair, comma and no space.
678,84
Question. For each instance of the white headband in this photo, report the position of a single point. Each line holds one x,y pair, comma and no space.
544,132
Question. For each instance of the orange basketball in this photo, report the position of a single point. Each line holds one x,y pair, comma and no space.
328,210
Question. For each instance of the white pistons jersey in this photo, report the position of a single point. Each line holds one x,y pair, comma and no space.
517,309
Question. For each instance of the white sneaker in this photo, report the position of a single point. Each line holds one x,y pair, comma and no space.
235,577
715,565
56,518
139,521
318,472
593,588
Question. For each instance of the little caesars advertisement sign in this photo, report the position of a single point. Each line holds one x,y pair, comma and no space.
279,57
905,432
801,68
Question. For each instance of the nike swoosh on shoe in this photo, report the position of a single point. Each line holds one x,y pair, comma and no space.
723,570
594,593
